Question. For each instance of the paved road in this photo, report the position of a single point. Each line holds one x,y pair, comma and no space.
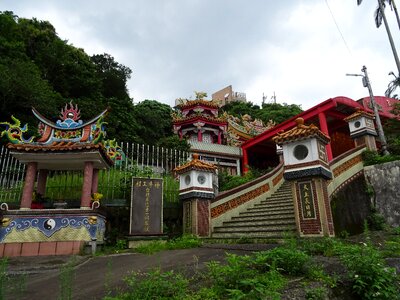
92,275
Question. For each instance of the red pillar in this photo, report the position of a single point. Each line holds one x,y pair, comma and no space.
324,128
245,161
42,179
95,180
87,184
199,135
30,176
219,138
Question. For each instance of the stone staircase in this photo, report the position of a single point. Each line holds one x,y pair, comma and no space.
271,218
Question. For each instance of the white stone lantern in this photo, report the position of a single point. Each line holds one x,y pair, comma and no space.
306,167
304,151
196,192
362,128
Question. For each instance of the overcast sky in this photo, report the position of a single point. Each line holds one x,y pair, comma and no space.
176,47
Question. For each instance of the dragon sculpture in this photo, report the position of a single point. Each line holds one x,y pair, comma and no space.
14,132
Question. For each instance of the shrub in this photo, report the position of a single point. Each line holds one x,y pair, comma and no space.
286,260
369,276
375,220
319,293
320,246
244,278
154,285
372,158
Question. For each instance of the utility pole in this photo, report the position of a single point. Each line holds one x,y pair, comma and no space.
367,84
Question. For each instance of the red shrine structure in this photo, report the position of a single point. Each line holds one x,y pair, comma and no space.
199,121
215,137
329,116
67,144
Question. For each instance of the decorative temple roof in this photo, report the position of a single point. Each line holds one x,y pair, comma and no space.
244,128
198,102
69,161
181,119
68,134
359,113
195,164
300,132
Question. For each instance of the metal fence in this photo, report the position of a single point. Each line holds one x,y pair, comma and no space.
136,160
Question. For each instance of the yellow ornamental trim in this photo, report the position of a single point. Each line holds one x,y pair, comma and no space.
300,132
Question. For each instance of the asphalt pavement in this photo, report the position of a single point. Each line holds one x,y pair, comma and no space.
95,276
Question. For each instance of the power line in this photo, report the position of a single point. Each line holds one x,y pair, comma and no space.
338,28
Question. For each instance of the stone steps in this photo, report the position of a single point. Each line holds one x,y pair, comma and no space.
271,218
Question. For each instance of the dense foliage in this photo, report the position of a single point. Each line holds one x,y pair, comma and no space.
269,111
39,69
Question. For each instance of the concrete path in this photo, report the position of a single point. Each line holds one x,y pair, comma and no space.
94,276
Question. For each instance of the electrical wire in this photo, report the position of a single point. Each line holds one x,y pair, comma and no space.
338,28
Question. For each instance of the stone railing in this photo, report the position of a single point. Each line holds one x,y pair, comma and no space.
230,203
345,168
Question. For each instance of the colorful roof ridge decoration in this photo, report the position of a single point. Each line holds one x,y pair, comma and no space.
179,119
300,132
198,102
69,133
195,164
244,128
359,113
14,132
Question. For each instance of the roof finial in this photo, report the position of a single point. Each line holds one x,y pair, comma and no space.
299,122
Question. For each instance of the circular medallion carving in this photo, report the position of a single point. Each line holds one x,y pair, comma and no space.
357,124
300,152
201,179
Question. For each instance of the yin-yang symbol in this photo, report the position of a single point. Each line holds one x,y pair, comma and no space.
49,224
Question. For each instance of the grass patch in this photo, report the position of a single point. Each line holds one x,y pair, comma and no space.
183,242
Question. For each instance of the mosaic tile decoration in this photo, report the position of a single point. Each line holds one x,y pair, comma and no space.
49,225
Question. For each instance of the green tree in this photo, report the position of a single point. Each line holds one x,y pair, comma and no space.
278,112
237,108
113,75
154,121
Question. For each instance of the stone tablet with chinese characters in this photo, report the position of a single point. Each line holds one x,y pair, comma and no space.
146,206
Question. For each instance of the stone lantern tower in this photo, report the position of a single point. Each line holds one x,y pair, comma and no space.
306,166
196,191
362,128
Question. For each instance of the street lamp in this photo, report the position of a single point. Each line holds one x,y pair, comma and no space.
367,84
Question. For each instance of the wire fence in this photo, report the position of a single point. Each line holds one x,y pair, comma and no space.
133,160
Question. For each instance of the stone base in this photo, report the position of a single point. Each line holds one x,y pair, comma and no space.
41,248
49,231
139,240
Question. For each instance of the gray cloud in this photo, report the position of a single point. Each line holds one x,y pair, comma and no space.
175,47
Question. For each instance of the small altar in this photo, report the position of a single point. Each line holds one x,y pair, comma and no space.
68,144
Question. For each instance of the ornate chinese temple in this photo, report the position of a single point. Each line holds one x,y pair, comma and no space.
217,138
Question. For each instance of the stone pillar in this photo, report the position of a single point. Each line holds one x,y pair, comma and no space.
312,207
196,191
41,182
196,217
307,168
87,185
95,180
324,128
29,185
